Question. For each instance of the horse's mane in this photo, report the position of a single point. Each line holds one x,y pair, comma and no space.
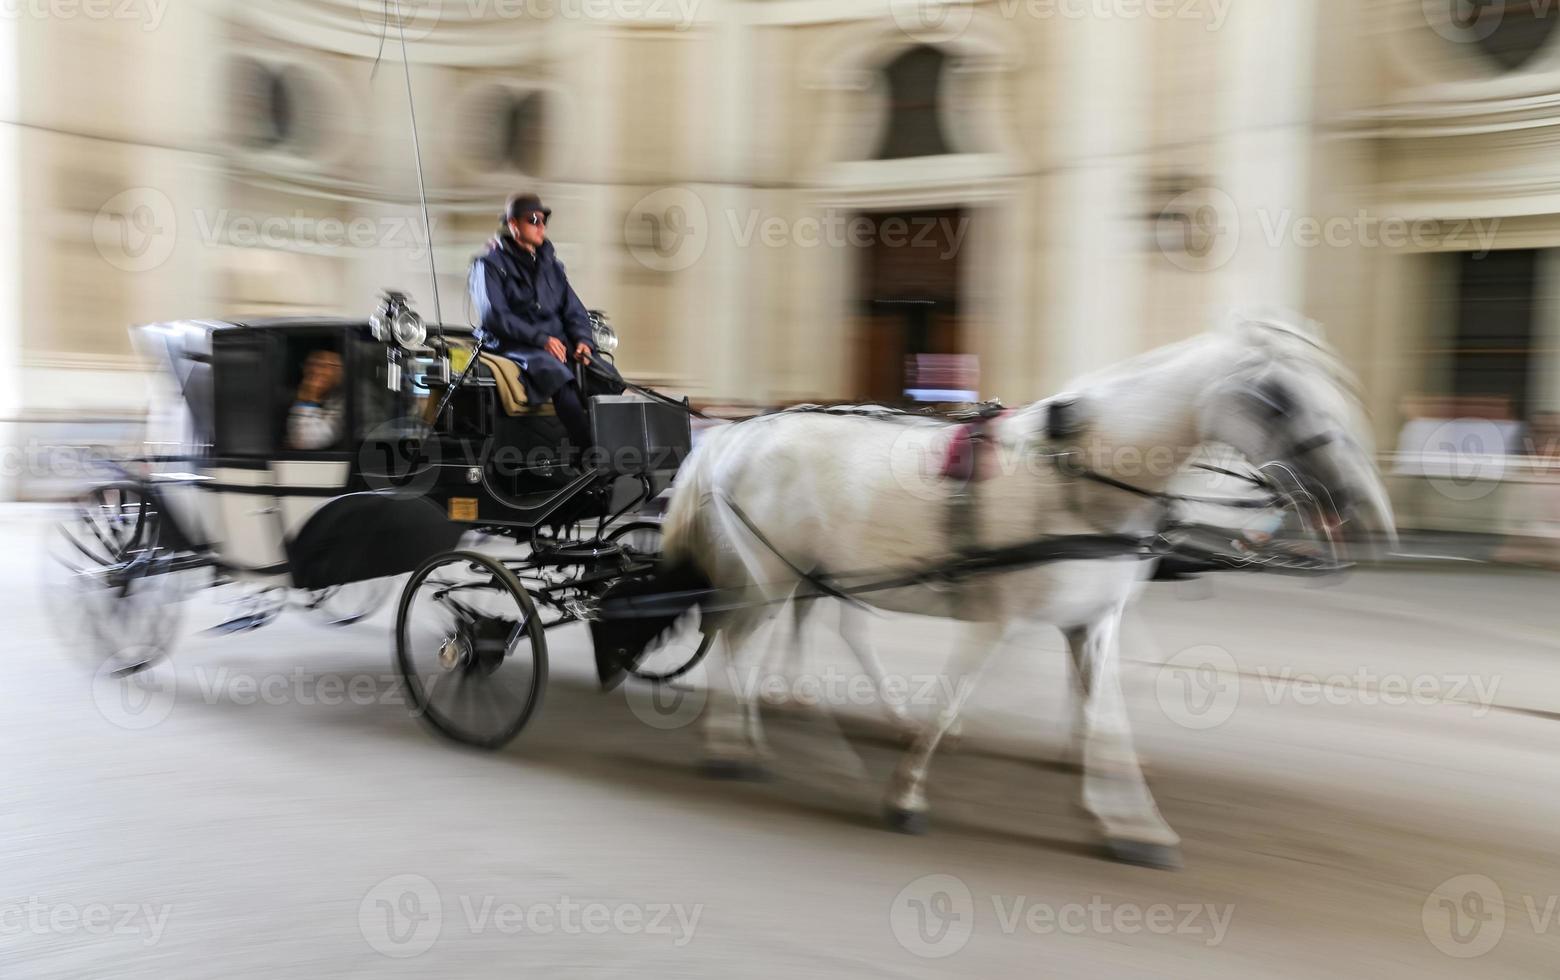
1268,335
865,410
1284,336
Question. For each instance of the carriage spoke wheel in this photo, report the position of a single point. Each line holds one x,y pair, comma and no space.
684,646
343,605
471,648
676,652
107,525
115,598
130,612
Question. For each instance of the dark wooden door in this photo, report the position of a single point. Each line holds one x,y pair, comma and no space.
1492,350
910,278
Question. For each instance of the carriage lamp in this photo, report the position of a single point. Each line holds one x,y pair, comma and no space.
605,338
396,320
408,329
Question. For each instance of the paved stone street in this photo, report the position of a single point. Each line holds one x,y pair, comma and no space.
265,806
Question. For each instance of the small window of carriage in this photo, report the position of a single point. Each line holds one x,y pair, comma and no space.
264,409
316,391
245,369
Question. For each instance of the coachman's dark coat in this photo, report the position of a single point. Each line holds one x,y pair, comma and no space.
522,299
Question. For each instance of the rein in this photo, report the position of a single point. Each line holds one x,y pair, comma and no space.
648,392
1253,503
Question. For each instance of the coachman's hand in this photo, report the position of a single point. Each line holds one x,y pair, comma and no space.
556,349
582,352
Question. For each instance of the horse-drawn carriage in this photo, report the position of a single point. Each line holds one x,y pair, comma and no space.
434,442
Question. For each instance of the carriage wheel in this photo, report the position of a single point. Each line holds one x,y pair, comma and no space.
685,645
108,524
113,597
471,648
343,605
130,612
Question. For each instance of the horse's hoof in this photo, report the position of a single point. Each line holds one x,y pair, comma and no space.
914,822
1162,857
735,770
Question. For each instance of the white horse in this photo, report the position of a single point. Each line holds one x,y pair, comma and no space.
765,503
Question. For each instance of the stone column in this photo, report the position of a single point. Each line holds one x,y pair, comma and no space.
10,245
729,369
1095,241
1267,88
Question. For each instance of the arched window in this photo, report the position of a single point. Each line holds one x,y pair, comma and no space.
915,129
522,122
1510,32
270,103
278,124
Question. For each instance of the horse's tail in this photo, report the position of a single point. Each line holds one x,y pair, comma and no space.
636,612
689,535
681,533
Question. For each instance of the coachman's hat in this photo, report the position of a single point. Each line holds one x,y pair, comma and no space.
521,205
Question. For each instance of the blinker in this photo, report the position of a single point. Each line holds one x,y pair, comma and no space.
1063,418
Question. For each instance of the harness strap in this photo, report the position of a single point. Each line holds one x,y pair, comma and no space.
965,462
814,580
650,393
1079,547
1307,446
1169,498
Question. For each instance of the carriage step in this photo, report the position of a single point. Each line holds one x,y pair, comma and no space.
584,553
243,624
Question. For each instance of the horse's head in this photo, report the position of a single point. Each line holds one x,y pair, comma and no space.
1289,402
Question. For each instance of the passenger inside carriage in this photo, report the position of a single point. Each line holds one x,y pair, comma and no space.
314,422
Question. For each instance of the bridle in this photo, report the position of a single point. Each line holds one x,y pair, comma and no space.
1274,401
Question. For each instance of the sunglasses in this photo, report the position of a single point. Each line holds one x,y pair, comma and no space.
536,219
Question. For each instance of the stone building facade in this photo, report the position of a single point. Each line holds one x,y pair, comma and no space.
781,200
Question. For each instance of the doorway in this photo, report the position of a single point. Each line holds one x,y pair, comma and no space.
910,340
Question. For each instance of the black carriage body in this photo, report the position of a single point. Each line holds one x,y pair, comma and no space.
418,460
323,517
272,509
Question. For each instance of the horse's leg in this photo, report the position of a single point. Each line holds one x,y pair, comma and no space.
788,656
1077,735
1114,790
733,735
906,805
854,630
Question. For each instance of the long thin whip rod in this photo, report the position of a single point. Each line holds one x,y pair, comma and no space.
422,189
